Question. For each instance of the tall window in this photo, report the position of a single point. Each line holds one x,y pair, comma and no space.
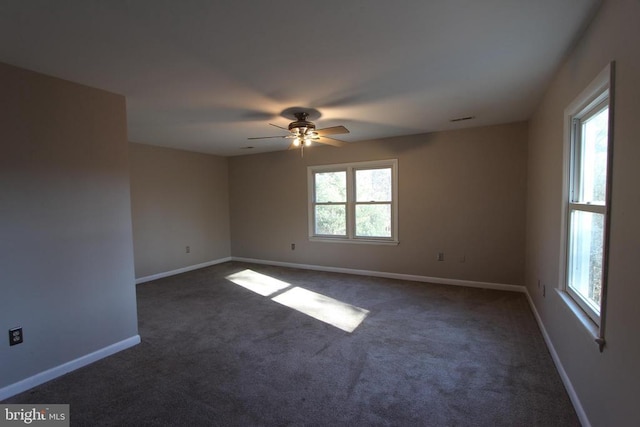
355,202
588,198
587,207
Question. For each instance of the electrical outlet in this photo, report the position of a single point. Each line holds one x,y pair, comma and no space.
293,246
15,336
187,249
440,256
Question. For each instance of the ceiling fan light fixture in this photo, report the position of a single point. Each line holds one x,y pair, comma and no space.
307,142
296,142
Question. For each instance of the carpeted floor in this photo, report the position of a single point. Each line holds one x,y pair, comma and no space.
216,353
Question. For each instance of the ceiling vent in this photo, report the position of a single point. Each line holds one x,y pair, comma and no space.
461,119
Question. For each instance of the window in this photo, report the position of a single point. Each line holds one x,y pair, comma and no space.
587,197
587,206
355,202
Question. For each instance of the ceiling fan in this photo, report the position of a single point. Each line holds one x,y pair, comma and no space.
303,133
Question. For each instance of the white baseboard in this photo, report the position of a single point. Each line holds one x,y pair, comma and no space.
400,276
181,270
577,405
49,374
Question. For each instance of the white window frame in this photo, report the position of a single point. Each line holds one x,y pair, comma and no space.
350,169
598,95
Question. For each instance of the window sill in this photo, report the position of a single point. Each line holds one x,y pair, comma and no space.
354,241
589,326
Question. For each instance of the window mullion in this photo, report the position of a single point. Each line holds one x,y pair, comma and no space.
351,209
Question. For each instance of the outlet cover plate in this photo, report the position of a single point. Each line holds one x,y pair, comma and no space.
15,336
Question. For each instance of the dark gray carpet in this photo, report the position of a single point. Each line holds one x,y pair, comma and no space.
215,353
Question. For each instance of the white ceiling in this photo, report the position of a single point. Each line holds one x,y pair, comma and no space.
206,75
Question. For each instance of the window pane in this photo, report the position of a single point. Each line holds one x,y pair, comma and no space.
373,220
331,187
373,185
331,220
593,162
585,256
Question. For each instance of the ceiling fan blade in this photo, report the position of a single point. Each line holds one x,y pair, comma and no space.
266,137
335,130
279,126
330,141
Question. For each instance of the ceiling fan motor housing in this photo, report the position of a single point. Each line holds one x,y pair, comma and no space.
302,125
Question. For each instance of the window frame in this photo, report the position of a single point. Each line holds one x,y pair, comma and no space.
351,203
575,202
597,96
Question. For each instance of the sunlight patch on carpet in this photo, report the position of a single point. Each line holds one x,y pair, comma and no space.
329,310
258,283
337,313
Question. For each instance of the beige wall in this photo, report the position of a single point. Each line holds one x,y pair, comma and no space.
607,384
178,199
66,258
460,192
